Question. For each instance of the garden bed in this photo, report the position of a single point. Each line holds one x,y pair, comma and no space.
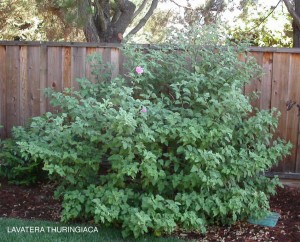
36,202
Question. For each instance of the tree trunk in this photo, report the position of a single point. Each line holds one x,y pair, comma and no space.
100,26
86,18
296,29
111,30
294,11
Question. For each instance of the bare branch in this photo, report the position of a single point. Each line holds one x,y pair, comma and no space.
292,12
140,9
179,5
143,21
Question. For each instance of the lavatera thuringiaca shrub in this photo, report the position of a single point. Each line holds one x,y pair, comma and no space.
170,145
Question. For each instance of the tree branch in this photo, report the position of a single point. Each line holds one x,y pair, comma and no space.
100,16
117,14
181,6
89,28
143,21
292,12
121,6
140,9
127,9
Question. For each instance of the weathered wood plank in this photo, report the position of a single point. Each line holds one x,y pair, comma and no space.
63,44
54,75
122,68
283,175
78,65
274,50
67,64
106,55
289,165
88,67
280,95
24,85
266,82
3,131
115,61
43,77
34,81
12,87
116,45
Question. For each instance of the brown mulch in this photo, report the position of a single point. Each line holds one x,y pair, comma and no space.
287,203
29,202
37,202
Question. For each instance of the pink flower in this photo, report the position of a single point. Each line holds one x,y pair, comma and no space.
144,110
139,70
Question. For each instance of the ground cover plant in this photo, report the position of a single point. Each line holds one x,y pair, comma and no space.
168,146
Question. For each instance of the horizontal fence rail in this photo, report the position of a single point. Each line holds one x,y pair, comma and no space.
27,68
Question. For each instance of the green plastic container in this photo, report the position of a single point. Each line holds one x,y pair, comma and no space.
269,221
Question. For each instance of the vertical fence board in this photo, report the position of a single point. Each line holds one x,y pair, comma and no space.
106,56
280,87
24,83
266,82
78,65
34,90
122,68
43,77
67,81
88,67
54,75
12,87
3,130
289,165
115,61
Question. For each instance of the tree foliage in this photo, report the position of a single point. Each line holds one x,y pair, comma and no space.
262,25
253,22
180,14
19,20
271,36
23,20
101,20
111,20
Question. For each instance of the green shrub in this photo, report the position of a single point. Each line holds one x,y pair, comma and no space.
170,145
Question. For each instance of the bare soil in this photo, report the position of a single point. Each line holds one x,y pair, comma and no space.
37,202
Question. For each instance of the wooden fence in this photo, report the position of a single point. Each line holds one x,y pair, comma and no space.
26,68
